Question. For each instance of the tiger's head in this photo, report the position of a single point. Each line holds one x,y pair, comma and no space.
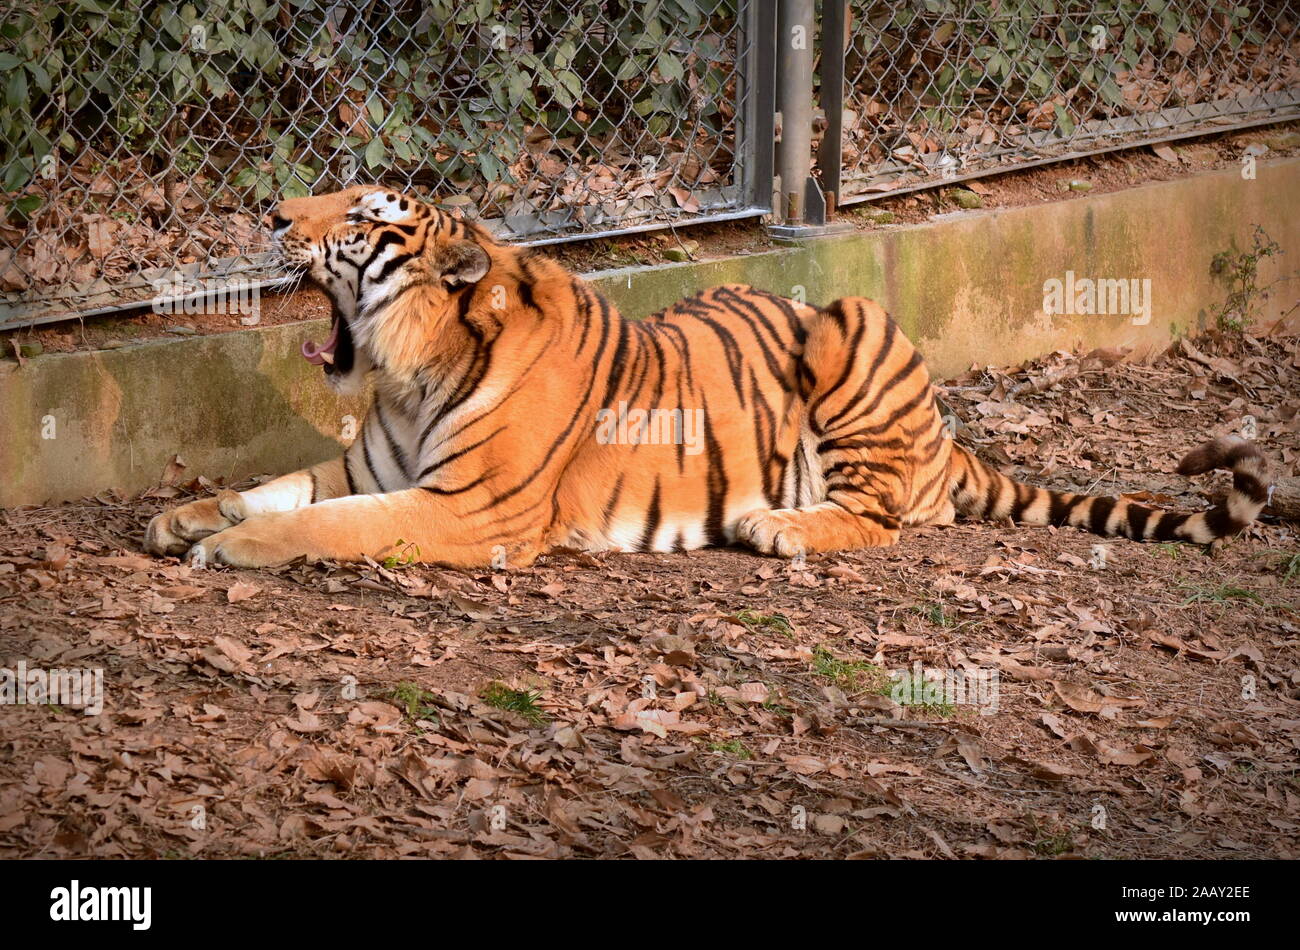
367,247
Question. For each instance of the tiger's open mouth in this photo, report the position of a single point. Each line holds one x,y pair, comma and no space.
336,354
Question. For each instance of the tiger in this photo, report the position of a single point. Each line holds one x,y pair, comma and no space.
516,412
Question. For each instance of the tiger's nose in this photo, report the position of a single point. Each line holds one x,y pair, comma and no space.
275,221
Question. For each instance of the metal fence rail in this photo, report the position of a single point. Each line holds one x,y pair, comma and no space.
141,141
141,138
942,90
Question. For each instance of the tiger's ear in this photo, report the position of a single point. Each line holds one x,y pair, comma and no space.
462,263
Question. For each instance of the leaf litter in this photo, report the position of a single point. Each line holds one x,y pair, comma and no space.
708,704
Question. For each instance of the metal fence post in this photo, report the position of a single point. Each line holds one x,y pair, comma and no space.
802,208
830,74
757,128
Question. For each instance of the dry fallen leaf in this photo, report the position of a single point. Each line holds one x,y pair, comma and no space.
241,590
803,764
305,721
1166,152
1082,699
182,592
233,649
1114,755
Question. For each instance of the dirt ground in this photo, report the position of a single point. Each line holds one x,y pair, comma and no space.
711,704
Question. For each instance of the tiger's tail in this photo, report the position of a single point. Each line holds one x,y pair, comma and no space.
980,491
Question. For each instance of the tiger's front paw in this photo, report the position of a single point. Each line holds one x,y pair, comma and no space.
174,531
772,532
252,543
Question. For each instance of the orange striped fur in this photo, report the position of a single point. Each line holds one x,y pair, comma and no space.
515,411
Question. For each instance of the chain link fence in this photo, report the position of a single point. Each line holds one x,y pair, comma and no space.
141,142
942,90
143,139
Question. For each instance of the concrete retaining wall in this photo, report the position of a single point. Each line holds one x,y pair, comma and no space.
966,287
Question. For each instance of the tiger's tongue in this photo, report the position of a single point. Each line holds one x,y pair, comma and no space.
319,354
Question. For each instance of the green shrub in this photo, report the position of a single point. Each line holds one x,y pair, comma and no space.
278,96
